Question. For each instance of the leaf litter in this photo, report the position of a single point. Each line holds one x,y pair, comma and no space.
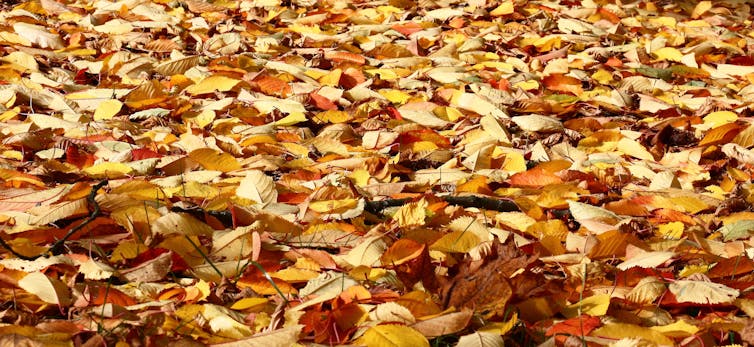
399,173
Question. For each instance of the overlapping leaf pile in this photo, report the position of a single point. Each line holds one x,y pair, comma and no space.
257,153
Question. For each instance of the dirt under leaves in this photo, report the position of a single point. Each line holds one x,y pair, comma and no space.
383,173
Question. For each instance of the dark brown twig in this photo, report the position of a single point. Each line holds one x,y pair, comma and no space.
56,248
500,205
376,207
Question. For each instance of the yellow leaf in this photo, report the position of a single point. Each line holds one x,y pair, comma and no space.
672,230
516,220
149,93
392,335
595,305
213,83
618,331
719,118
181,223
332,116
456,242
367,273
108,170
293,275
212,159
688,204
689,270
247,303
744,138
412,213
647,290
664,21
225,322
189,189
701,8
602,76
505,8
332,206
450,114
634,149
668,53
367,253
331,79
677,329
291,119
501,328
514,162
395,96
125,250
388,74
204,118
360,177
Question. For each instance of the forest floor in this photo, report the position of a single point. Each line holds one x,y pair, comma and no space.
378,173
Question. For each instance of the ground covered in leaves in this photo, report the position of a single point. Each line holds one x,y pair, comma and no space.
383,173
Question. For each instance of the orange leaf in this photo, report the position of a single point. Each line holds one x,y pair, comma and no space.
669,215
564,84
95,295
402,251
611,244
407,28
535,177
722,134
347,57
627,208
351,78
271,85
608,15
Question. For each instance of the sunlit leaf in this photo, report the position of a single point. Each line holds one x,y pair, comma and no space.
702,292
48,289
212,159
392,335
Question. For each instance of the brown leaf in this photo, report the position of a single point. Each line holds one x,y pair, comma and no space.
444,325
163,45
484,286
150,271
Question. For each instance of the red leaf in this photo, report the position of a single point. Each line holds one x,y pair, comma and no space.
77,157
321,102
143,153
393,112
576,326
178,263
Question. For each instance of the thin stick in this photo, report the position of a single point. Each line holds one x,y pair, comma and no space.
56,248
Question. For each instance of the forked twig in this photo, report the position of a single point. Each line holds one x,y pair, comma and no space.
56,248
